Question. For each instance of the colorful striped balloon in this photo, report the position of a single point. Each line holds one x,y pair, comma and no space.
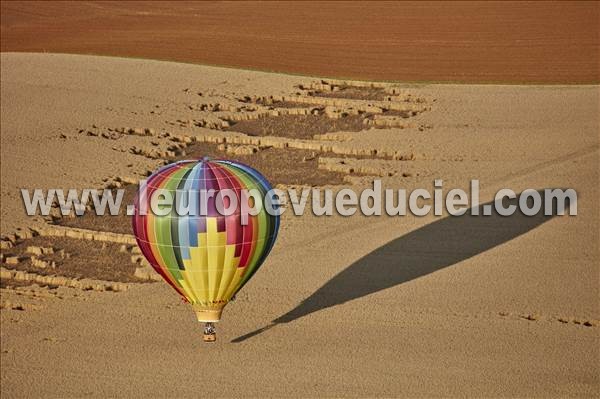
207,257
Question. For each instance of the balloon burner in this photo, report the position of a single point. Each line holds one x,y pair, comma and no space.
210,333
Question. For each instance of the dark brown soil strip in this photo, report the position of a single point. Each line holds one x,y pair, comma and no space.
354,93
298,126
81,259
285,104
280,166
401,114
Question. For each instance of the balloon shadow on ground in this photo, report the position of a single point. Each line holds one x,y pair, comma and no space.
423,251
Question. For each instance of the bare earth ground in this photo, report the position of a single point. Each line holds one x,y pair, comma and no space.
418,41
357,306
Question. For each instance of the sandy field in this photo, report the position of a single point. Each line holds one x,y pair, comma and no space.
528,42
360,306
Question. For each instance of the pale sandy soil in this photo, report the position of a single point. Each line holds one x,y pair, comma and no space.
371,306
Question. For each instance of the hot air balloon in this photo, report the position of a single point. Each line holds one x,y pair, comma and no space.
210,253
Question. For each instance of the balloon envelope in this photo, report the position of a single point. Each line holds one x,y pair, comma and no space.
208,254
